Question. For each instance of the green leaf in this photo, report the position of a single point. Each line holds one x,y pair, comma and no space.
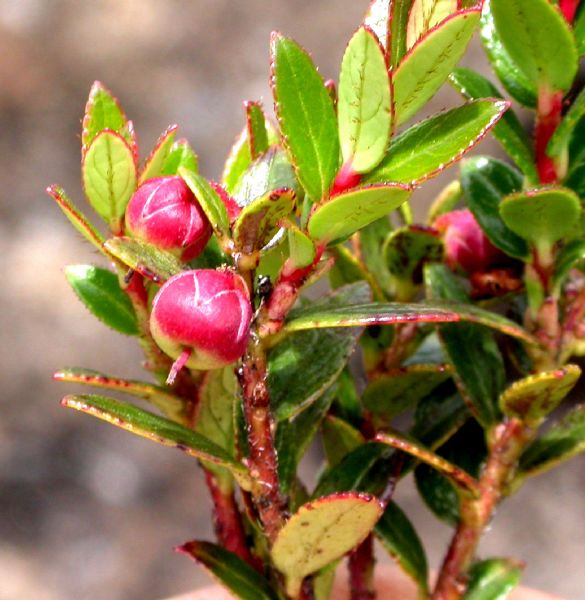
477,363
493,579
561,442
320,532
339,439
509,131
366,469
348,212
568,258
364,104
293,438
547,60
153,166
181,155
316,357
542,216
517,84
77,218
465,482
301,247
579,32
157,429
424,15
214,416
306,116
234,573
427,65
260,220
146,259
256,127
406,250
109,176
428,148
170,405
347,401
371,240
392,313
102,111
534,397
401,388
100,291
401,541
209,200
269,172
559,142
485,182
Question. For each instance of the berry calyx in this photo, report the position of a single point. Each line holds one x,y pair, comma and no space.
201,318
164,212
467,248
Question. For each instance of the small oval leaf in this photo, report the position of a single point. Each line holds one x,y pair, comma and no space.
153,166
493,579
364,102
256,128
321,532
424,15
181,155
346,213
100,291
102,111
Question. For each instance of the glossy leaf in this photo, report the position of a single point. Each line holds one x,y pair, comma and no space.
320,532
157,429
542,216
102,111
427,148
76,218
109,176
149,261
401,388
293,438
306,116
456,475
485,182
534,397
209,200
100,292
154,164
316,357
547,60
242,580
346,213
493,579
517,84
269,172
392,313
477,363
561,442
180,155
401,541
428,63
559,142
214,415
259,221
406,250
569,257
256,128
424,15
364,102
509,131
170,405
339,439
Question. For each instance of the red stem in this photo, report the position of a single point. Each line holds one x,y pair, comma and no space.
569,9
361,571
549,115
227,521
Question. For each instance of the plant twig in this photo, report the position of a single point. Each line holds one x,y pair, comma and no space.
361,571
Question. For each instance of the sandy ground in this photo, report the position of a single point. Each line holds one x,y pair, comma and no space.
87,511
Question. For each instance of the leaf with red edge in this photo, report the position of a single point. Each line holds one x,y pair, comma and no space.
424,15
256,129
154,164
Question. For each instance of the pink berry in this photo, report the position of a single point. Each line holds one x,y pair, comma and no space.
164,212
466,246
203,315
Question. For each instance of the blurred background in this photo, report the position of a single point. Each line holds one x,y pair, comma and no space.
88,511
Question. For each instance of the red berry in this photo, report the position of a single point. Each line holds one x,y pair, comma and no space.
205,312
164,212
466,246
